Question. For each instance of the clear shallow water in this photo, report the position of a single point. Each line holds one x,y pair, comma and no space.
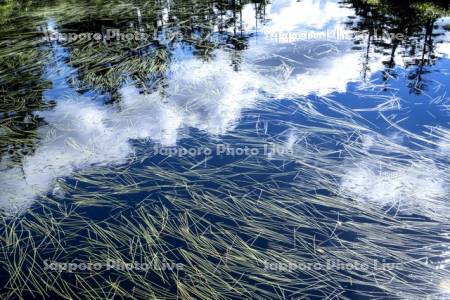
347,138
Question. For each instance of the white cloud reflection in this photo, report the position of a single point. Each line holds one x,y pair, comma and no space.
81,133
418,185
207,95
288,15
417,188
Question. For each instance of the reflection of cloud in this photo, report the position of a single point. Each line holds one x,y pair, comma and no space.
80,133
308,67
410,187
208,95
443,48
211,95
288,15
77,136
330,78
444,286
442,40
292,15
301,67
418,186
146,116
16,193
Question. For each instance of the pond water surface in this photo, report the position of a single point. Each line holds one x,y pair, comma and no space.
224,150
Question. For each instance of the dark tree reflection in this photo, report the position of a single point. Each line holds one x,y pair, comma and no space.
413,21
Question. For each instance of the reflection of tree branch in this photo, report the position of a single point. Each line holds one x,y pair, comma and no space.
395,18
427,48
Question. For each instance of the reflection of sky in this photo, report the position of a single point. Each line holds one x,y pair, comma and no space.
58,79
444,47
211,96
302,64
80,133
57,71
419,186
286,15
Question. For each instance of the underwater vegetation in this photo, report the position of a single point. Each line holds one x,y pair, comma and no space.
222,156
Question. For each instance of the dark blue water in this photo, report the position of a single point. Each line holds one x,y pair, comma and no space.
305,149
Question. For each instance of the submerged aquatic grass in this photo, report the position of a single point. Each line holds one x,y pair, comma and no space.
224,224
298,223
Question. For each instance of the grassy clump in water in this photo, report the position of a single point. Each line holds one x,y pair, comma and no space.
236,226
